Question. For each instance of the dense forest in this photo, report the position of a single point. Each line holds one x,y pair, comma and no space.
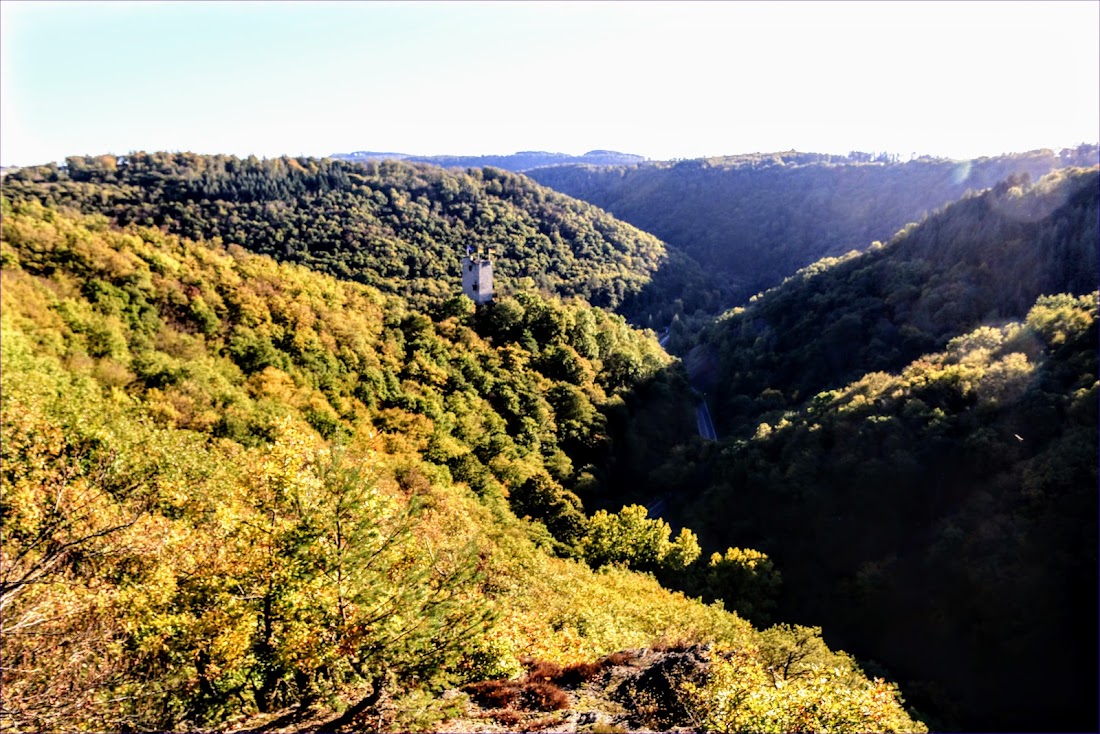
981,260
912,440
522,161
749,221
233,487
398,226
942,519
260,458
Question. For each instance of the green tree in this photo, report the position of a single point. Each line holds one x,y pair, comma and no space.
746,580
630,538
541,498
344,590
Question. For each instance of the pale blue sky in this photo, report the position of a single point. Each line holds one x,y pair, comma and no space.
665,80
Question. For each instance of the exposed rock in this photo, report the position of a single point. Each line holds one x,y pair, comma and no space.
653,693
634,690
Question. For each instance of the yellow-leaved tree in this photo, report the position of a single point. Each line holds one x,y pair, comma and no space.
342,592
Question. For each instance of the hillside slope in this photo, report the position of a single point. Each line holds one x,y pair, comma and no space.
749,221
233,487
941,519
984,259
398,226
913,442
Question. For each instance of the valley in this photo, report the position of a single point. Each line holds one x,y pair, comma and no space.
261,458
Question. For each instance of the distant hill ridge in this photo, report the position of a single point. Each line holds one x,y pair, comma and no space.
981,260
751,220
523,160
397,225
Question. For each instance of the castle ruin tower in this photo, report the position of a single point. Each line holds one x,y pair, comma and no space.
477,276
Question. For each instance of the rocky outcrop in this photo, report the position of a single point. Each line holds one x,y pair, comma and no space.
634,690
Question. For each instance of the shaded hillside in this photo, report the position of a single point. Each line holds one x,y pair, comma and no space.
521,161
397,226
984,259
914,434
941,520
749,221
233,487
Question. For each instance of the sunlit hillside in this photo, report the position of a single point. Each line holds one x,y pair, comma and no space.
400,227
235,489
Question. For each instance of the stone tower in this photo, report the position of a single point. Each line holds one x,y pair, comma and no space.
477,277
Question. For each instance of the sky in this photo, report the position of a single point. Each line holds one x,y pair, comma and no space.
659,79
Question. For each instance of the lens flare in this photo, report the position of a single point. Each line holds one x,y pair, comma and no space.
961,173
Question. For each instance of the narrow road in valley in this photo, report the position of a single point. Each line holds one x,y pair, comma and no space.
703,421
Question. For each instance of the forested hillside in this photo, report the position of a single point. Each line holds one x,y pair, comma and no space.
237,488
982,260
913,436
749,221
942,519
210,455
536,408
398,226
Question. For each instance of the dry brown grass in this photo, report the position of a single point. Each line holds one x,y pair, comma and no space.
579,673
544,696
494,694
544,723
617,658
528,695
507,717
542,670
540,688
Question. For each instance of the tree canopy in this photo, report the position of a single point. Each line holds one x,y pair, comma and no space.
234,486
744,223
400,227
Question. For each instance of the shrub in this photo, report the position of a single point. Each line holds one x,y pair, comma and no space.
497,694
544,696
580,672
540,670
